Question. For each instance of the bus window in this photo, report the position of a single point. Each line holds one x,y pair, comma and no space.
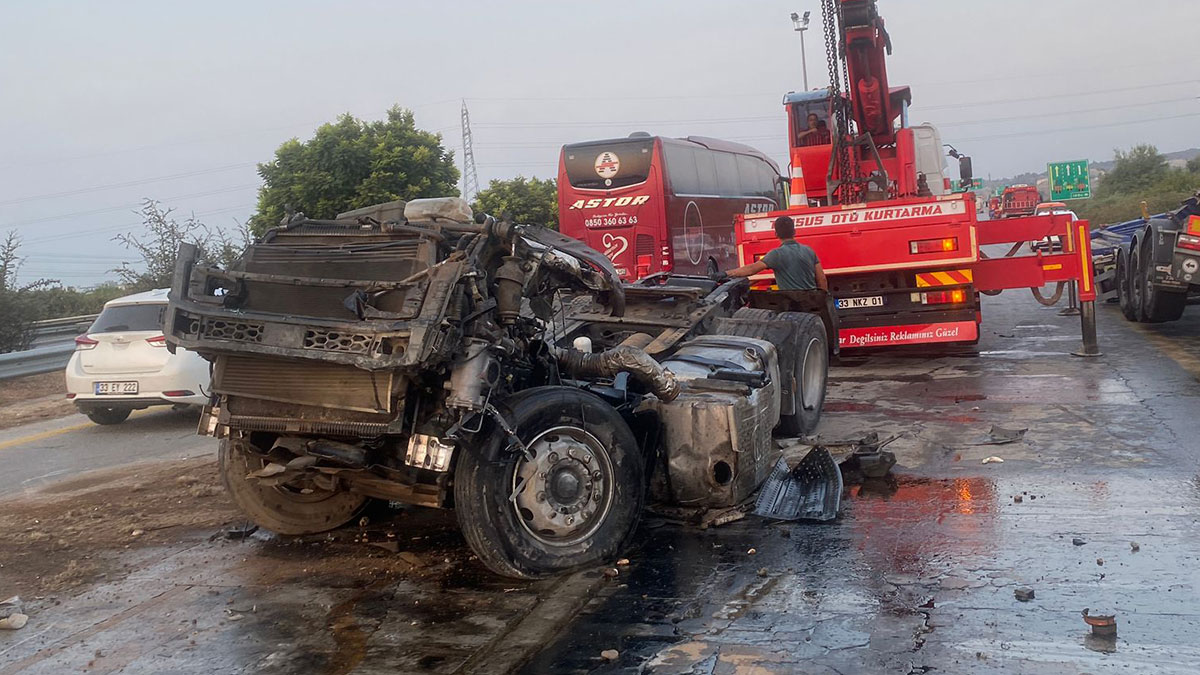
727,174
755,179
680,167
604,166
706,171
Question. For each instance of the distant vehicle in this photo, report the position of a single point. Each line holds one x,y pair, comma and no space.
122,363
1019,200
993,207
654,204
1051,244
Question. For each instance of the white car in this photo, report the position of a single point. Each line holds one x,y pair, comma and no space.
122,364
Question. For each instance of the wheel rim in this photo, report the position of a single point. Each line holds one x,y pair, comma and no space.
813,374
1135,286
563,489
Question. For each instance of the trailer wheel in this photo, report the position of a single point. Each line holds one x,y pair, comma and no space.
809,374
1123,278
571,499
287,510
1158,305
1136,288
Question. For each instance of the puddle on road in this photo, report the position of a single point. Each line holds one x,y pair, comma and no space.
916,570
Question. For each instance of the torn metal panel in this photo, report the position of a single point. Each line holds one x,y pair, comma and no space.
811,490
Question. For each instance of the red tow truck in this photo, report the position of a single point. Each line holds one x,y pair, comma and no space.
906,259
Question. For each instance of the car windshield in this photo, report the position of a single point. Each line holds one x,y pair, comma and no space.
118,318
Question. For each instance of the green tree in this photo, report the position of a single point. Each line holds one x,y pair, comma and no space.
531,201
18,307
1138,169
351,163
1193,164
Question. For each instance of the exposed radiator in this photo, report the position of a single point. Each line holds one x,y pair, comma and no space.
313,383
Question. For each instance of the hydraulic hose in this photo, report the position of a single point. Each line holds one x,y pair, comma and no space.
608,363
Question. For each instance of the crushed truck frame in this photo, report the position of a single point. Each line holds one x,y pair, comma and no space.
412,353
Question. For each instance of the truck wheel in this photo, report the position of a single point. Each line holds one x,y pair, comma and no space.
754,314
809,374
1122,278
1136,287
574,500
284,509
107,416
1158,305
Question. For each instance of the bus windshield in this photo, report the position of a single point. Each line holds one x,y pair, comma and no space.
609,164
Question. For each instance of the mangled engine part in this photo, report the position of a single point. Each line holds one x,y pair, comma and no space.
716,435
661,381
473,378
510,283
428,452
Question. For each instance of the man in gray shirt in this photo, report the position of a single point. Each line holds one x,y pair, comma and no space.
795,265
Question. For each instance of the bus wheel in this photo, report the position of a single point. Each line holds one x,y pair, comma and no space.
713,270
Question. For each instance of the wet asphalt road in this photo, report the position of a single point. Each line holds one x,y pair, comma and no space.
917,575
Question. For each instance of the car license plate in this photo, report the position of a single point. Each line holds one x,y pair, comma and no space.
860,303
118,388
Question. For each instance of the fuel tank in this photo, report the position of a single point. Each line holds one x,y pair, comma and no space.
716,440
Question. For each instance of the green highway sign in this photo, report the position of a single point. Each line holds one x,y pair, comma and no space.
1069,180
962,186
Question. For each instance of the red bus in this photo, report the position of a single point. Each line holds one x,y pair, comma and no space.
654,204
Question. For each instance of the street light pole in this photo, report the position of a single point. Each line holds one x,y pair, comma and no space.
800,25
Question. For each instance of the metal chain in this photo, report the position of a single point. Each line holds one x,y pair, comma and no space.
831,16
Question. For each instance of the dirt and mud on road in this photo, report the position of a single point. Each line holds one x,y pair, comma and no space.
32,398
1094,506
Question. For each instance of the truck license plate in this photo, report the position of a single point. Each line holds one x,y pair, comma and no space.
860,303
110,388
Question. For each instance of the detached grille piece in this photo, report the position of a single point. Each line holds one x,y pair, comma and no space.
331,341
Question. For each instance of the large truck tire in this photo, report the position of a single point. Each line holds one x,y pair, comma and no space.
573,501
1158,305
1123,280
282,508
809,373
1136,288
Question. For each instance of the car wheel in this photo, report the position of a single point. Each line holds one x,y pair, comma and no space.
809,373
1124,301
108,416
287,508
570,499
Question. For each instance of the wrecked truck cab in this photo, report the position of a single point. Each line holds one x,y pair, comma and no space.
411,352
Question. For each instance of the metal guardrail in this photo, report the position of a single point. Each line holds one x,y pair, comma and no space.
53,343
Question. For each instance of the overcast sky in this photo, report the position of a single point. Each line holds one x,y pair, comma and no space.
107,103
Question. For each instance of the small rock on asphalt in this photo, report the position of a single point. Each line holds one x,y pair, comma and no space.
762,571
623,562
1078,542
10,606
612,573
1023,594
992,460
752,551
1017,499
610,654
1133,546
1099,561
14,622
